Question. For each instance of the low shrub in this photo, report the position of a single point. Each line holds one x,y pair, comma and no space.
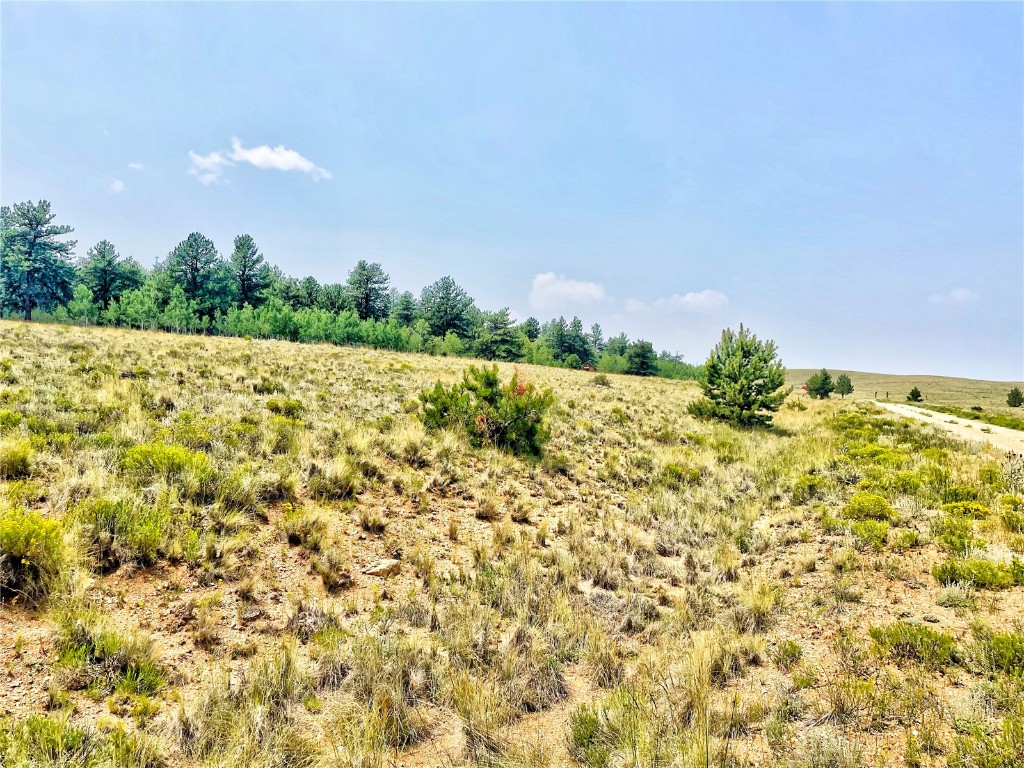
510,416
267,386
120,532
956,534
870,534
153,461
909,641
1002,652
285,407
15,458
92,655
869,506
983,574
32,554
808,487
967,509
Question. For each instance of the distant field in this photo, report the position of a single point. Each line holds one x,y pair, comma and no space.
937,390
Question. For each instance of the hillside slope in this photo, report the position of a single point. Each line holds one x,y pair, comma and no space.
251,553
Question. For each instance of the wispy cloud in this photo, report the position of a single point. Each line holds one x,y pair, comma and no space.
551,290
136,166
956,297
210,168
117,185
698,302
277,158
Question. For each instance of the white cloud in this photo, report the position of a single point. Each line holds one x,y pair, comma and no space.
135,166
208,168
550,290
700,302
277,158
957,297
117,185
707,300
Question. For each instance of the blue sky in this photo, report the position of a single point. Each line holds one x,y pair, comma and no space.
847,179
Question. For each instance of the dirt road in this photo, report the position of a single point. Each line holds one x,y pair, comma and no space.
1001,437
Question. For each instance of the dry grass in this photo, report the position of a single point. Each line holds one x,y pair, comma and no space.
653,591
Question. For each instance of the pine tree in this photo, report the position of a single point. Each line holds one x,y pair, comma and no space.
404,309
368,291
35,267
843,385
641,359
820,385
915,395
446,308
531,328
743,380
497,339
107,275
249,271
195,265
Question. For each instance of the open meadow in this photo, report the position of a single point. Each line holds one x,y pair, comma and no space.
234,552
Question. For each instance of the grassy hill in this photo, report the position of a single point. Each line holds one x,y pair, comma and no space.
228,552
938,390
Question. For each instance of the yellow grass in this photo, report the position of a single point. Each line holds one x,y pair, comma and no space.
654,590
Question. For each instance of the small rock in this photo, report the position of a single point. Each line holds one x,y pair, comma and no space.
384,568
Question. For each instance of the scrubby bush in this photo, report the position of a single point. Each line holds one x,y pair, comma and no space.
983,574
92,654
956,534
869,506
971,509
119,532
15,458
870,534
915,395
32,554
1015,398
152,461
908,641
509,416
285,407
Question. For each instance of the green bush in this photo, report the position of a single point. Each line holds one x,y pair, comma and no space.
967,509
267,386
152,461
956,534
999,652
869,506
908,641
958,492
509,416
808,487
32,554
285,407
119,532
15,458
983,574
870,534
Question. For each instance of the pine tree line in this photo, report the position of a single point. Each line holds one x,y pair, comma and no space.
196,290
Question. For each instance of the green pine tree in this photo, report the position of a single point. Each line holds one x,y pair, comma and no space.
743,380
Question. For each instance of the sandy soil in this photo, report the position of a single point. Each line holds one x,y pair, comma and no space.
1001,437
